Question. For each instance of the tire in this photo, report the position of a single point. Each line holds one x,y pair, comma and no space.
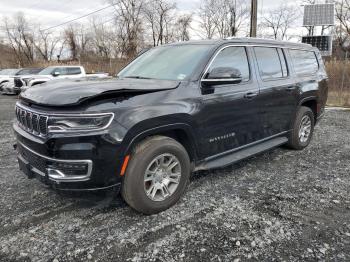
153,154
304,115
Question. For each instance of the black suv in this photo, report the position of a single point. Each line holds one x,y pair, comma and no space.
173,110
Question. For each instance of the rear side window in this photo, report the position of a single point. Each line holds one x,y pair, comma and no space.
73,70
235,57
271,63
60,70
305,62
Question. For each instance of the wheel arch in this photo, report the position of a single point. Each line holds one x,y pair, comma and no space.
310,102
181,132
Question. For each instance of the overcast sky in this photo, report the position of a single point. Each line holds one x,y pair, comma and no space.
53,12
48,13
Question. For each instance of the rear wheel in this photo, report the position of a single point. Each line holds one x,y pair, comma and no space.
157,175
303,128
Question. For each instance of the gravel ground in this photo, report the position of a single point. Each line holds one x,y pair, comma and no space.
281,205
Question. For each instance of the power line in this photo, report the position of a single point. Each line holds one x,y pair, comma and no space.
75,19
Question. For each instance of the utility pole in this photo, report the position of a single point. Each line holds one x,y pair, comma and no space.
253,18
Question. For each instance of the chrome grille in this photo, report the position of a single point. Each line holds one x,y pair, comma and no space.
32,122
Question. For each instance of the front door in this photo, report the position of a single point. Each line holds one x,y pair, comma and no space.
229,115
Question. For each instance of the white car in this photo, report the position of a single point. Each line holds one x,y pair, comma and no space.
8,85
6,74
55,73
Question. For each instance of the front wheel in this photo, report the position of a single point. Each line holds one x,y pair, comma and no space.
157,175
303,128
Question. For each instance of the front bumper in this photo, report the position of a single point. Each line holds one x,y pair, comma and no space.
70,163
58,170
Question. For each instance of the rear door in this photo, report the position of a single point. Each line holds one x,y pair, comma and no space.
229,116
278,90
74,72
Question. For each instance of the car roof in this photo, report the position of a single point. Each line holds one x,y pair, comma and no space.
247,41
64,66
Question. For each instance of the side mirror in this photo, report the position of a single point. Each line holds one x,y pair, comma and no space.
222,76
56,73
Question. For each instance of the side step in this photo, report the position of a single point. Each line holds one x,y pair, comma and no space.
230,158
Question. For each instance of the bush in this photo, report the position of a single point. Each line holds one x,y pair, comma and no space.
339,82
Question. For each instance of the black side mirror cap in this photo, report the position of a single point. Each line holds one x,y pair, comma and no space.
222,76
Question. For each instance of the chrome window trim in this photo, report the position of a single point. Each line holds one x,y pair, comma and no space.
220,79
217,53
63,178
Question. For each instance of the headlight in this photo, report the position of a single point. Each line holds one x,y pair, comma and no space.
79,123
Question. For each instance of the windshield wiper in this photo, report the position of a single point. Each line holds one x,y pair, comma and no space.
138,77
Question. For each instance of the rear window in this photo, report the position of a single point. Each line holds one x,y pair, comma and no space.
305,62
73,70
271,63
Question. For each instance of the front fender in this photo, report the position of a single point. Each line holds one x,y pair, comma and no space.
137,134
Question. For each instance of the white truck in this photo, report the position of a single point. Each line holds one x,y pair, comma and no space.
55,73
6,74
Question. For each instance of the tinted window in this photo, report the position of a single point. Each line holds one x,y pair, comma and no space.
73,71
235,57
60,70
269,62
305,62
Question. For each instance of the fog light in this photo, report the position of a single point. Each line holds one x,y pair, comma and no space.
69,169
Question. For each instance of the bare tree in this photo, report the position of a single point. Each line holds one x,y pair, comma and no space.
21,38
128,16
70,37
230,16
102,39
184,25
280,20
159,15
78,40
207,13
342,31
45,44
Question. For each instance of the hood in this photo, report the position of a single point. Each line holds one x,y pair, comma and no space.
4,77
73,92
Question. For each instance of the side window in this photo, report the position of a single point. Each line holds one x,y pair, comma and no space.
60,70
305,62
73,70
270,64
234,57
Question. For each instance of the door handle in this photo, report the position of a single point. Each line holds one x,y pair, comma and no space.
250,95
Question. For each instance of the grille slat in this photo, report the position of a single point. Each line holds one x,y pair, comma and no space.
35,123
32,122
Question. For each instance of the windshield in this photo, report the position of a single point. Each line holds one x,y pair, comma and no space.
9,71
47,71
168,62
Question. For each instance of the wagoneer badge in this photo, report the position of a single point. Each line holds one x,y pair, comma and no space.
218,138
